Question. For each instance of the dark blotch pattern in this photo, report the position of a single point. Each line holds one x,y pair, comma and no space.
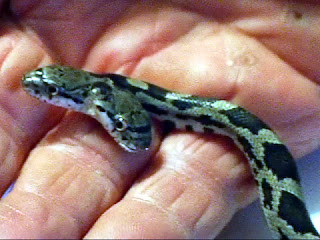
280,161
85,94
153,91
267,193
293,210
110,115
114,77
182,104
168,126
247,148
65,95
101,109
208,120
156,92
203,119
182,116
282,236
241,117
189,128
121,82
208,130
153,109
141,129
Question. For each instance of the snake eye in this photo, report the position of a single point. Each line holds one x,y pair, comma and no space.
96,91
53,90
120,124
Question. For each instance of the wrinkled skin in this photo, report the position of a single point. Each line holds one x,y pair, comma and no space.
75,181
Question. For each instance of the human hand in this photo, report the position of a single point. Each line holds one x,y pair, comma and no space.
78,182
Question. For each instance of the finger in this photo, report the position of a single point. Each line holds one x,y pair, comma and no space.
57,30
193,189
27,210
280,25
75,173
22,120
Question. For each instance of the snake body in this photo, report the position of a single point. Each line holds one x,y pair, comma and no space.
125,106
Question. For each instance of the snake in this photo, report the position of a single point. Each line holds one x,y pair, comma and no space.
126,106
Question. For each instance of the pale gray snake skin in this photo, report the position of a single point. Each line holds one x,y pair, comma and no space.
124,106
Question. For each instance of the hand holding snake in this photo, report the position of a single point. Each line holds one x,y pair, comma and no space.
206,177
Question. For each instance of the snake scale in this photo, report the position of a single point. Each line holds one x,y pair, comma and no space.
125,106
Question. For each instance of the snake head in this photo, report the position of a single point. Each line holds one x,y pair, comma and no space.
125,119
58,85
118,110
